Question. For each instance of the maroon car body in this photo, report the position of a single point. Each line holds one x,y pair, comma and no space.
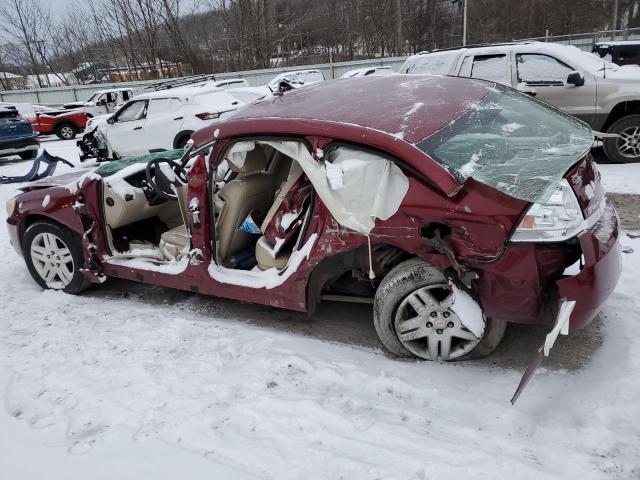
520,282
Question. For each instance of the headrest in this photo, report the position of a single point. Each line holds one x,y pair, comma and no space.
254,160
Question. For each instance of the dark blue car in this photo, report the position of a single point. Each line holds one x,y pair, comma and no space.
17,136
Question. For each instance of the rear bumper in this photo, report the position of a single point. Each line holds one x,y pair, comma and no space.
600,273
18,145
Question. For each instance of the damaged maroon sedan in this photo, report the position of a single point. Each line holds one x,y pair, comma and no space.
453,205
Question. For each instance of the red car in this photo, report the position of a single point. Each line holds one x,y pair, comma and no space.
64,123
453,205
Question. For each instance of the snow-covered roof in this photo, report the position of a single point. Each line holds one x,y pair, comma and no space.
618,43
186,91
408,107
361,72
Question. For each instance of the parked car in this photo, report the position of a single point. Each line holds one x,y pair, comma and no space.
626,52
598,92
362,72
17,136
453,205
155,121
66,124
281,82
102,101
300,77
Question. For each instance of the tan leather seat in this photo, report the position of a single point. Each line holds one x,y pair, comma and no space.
266,257
252,191
174,241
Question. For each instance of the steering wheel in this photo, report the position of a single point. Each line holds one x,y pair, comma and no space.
160,182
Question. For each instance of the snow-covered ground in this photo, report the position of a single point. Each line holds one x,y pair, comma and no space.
136,382
620,178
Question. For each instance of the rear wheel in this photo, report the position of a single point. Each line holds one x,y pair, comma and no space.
418,313
626,147
66,131
29,155
54,257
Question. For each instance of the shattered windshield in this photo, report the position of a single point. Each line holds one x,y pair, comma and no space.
512,143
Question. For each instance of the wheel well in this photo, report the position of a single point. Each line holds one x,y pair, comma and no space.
33,218
621,110
348,272
180,136
65,122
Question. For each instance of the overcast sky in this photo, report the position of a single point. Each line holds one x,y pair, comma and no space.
59,7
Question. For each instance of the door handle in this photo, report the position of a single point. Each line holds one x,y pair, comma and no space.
178,118
138,128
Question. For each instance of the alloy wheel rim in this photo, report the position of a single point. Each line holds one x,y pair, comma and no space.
52,260
428,326
66,132
629,142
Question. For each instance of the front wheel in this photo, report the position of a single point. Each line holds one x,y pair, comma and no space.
626,147
417,312
54,257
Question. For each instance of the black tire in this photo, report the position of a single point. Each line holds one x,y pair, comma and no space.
405,278
181,139
66,131
29,155
612,146
67,238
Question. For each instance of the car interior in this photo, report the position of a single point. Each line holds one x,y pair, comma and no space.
260,199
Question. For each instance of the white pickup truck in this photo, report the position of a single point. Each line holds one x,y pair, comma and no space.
103,101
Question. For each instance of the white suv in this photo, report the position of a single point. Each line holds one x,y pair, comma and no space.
604,95
156,121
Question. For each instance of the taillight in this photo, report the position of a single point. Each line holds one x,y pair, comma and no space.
208,115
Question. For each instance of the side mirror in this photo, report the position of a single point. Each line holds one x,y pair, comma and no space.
111,120
526,89
576,79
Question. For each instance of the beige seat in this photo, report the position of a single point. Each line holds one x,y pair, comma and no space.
251,192
174,241
267,258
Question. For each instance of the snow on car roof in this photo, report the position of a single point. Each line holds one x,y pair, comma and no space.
407,107
367,71
618,43
118,89
185,91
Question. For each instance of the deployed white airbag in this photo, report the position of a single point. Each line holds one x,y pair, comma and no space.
238,153
356,186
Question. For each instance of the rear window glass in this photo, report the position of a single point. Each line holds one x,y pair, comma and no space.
512,143
434,63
